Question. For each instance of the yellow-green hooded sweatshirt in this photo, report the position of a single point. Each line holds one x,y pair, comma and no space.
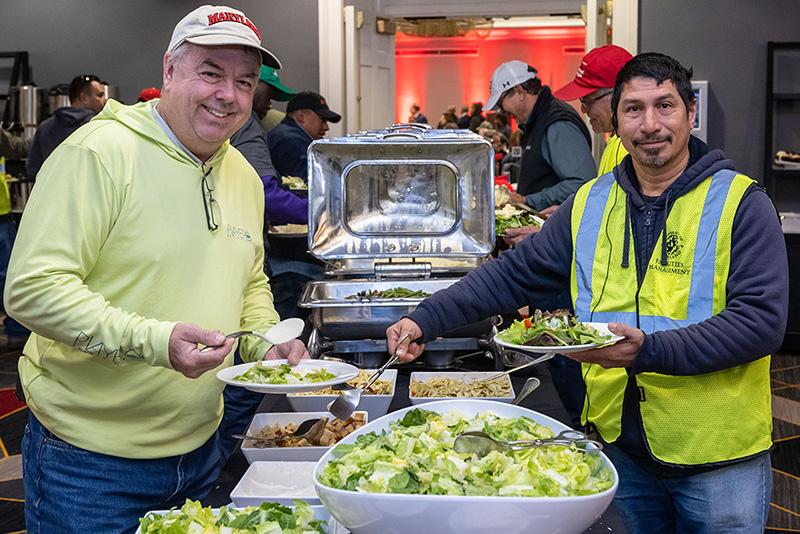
113,250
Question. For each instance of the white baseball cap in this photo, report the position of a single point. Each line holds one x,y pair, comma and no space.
505,77
219,26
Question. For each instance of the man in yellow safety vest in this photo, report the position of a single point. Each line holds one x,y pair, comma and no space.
683,257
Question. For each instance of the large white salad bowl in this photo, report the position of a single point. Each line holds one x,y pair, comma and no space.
381,513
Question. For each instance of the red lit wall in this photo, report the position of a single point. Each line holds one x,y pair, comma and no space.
437,72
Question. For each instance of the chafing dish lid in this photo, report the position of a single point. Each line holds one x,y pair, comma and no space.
405,191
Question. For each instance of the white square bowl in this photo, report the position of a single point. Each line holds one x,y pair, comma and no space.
282,482
284,454
375,405
466,376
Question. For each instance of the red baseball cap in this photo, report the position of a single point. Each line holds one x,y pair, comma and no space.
149,93
598,70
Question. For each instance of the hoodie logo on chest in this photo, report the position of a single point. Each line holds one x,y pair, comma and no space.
237,232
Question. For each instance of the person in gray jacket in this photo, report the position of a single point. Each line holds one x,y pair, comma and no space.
86,98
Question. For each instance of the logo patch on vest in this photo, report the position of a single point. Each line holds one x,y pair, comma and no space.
674,245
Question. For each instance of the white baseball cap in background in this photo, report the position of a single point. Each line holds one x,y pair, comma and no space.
220,26
505,77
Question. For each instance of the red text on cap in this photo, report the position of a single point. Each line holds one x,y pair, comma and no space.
227,16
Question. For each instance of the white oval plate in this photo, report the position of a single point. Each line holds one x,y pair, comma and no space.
343,372
569,349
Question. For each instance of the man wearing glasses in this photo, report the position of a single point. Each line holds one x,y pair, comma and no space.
556,149
593,86
141,243
86,98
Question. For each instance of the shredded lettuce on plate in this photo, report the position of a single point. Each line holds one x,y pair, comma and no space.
417,456
269,518
283,374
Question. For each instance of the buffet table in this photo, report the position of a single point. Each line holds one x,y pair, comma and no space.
544,400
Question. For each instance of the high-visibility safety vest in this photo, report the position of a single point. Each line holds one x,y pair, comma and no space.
613,154
687,420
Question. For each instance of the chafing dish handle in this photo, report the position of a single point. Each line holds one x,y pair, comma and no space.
402,270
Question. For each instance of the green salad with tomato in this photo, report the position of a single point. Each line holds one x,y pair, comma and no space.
417,456
552,329
269,518
283,374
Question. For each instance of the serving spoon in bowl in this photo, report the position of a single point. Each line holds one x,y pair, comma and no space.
346,403
307,428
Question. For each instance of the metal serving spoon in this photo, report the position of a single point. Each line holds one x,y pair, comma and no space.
307,428
481,443
282,332
530,385
346,403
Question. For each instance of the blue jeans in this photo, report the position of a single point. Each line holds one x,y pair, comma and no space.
68,489
732,499
8,233
240,407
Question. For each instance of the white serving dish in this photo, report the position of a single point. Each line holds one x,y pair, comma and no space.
466,376
343,372
319,513
378,513
282,482
283,454
375,405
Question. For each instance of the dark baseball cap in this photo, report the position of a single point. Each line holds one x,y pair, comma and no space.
315,102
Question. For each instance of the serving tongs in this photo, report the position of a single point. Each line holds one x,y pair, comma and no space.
346,403
481,443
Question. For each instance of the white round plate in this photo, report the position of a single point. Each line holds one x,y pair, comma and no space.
343,372
600,327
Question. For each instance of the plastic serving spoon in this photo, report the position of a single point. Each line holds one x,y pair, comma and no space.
282,332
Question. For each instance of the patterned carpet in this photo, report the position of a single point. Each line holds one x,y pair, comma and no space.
784,510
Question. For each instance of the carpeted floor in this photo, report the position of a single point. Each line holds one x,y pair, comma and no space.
784,510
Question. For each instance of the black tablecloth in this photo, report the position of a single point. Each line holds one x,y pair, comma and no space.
544,400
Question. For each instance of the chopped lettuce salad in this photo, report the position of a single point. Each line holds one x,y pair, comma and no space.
417,456
283,374
511,217
556,329
269,518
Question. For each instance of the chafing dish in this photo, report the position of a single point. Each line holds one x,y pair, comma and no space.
402,207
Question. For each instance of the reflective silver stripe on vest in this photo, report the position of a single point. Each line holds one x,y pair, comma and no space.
701,291
586,241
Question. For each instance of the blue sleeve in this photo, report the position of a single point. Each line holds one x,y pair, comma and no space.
35,158
534,273
282,206
564,148
753,323
289,156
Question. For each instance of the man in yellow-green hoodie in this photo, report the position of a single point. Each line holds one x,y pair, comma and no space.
141,241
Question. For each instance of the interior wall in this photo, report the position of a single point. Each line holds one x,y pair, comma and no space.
461,75
725,42
123,42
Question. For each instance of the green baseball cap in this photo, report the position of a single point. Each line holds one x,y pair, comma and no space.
270,77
